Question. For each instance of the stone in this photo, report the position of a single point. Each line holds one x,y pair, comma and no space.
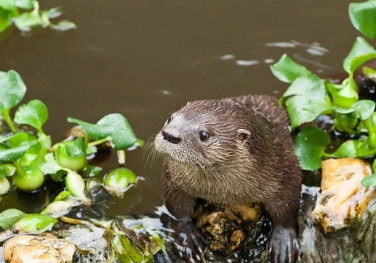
38,249
343,199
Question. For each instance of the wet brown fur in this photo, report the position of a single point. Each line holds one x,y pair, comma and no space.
234,166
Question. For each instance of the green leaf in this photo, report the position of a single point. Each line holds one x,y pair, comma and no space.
50,166
369,180
347,149
65,25
34,224
369,72
364,148
115,126
306,99
24,4
13,153
343,95
12,89
26,21
363,17
33,156
54,12
126,251
7,169
34,113
309,147
76,148
286,70
71,154
360,53
6,16
9,217
364,109
7,4
62,195
91,171
308,86
20,138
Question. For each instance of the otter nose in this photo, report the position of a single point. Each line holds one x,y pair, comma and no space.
170,138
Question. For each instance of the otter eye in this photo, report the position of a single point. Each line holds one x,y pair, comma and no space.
204,136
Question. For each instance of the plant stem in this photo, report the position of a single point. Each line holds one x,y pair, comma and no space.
369,124
18,168
8,120
94,143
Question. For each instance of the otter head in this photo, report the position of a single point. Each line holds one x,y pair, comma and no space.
205,134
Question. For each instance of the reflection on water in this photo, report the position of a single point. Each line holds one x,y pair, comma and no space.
145,59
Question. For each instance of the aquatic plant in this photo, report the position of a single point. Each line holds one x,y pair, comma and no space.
27,157
26,153
309,97
26,15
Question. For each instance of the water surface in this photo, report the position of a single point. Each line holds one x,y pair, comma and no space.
146,59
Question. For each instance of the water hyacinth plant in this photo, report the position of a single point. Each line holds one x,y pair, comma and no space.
309,97
27,155
26,15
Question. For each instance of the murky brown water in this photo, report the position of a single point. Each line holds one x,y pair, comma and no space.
146,59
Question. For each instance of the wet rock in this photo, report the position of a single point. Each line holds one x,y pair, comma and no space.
234,233
343,199
223,226
38,249
356,243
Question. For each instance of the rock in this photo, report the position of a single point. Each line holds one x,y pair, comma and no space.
343,199
38,249
223,226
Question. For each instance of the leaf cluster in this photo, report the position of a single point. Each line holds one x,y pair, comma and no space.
136,244
309,97
27,156
25,15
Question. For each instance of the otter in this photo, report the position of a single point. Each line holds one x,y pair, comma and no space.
232,150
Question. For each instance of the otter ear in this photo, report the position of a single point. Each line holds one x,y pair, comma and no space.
243,135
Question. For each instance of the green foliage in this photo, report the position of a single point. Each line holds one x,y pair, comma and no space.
26,155
286,70
114,127
130,245
25,15
71,154
310,145
297,98
363,17
369,180
12,89
360,53
9,217
34,224
34,114
308,97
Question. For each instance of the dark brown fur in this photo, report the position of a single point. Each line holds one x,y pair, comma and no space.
247,158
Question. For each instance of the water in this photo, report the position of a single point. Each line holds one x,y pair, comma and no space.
146,59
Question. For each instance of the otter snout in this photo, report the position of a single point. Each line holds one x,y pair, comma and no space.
168,136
